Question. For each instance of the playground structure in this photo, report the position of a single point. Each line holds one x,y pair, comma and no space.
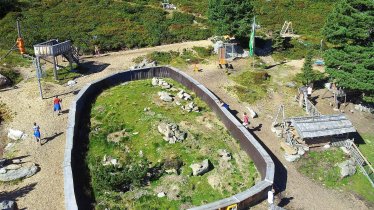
287,30
54,48
227,52
167,6
318,130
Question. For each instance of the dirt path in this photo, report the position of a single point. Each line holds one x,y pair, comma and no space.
45,189
300,192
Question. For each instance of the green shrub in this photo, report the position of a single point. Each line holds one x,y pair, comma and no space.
203,52
117,178
13,75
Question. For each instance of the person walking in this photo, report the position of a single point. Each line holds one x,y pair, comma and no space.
37,135
271,199
245,119
57,105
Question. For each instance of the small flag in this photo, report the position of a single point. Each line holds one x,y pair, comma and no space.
252,39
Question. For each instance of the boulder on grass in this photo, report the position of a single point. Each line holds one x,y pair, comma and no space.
200,168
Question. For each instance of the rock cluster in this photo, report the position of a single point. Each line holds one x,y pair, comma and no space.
224,155
200,168
16,134
347,168
171,132
160,82
145,63
362,108
165,96
183,95
10,171
190,107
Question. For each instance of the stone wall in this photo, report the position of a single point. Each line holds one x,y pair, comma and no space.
82,105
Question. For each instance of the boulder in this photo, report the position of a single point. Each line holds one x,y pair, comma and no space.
200,168
291,158
4,82
180,94
300,151
252,113
8,205
224,155
71,83
12,167
347,168
161,195
291,84
171,132
154,81
288,149
165,96
15,134
23,172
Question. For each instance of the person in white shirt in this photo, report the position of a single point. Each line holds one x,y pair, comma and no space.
271,198
309,91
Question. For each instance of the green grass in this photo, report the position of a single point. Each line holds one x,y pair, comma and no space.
13,75
63,74
122,107
251,86
322,167
179,59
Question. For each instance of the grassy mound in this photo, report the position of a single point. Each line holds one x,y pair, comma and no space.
322,167
145,156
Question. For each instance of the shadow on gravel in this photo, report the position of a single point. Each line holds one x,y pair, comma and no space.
280,175
17,193
50,138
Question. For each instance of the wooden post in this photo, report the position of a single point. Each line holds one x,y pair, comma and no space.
55,68
301,99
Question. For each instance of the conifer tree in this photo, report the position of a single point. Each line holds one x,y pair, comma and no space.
231,17
350,27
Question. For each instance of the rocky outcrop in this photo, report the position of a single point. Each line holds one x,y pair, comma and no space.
165,96
200,168
347,168
160,82
171,132
12,172
15,134
190,107
145,63
183,95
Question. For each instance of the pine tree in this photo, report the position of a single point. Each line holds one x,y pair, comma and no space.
307,69
350,27
308,75
231,17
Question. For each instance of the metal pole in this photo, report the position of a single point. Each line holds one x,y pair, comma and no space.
19,29
55,68
38,75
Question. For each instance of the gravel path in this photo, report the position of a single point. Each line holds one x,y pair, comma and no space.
45,189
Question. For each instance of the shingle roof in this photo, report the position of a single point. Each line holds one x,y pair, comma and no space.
323,125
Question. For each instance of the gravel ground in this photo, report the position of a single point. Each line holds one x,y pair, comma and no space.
44,190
